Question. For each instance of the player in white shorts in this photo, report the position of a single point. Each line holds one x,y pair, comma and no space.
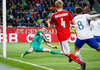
95,27
61,20
83,31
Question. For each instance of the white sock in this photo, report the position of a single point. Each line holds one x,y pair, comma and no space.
78,55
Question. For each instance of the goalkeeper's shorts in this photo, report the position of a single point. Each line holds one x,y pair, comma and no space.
36,47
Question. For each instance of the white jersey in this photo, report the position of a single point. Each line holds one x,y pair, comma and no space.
82,26
95,26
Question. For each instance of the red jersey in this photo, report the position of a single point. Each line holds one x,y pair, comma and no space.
61,20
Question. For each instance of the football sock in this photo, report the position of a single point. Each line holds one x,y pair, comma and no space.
26,53
75,58
54,52
78,55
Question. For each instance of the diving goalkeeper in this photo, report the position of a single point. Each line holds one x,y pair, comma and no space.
35,44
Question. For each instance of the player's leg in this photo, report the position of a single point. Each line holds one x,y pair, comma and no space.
77,53
32,47
27,52
93,44
78,44
47,50
97,38
66,51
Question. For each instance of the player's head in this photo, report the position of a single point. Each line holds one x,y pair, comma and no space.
78,10
59,4
43,29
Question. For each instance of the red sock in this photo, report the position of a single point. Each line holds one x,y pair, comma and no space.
75,58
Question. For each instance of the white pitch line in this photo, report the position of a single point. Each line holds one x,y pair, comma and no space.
30,64
55,63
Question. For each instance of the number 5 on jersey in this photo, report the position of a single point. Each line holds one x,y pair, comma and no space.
62,23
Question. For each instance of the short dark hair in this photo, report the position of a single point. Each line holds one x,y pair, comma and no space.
43,27
78,10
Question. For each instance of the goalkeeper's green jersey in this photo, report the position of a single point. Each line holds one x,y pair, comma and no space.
37,38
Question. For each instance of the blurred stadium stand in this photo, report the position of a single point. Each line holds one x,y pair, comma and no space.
34,13
97,5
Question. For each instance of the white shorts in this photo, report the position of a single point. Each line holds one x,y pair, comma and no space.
65,47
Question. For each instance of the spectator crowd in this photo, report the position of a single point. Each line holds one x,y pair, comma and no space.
98,1
34,13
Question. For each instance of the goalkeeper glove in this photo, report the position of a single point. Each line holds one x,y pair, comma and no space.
47,41
55,47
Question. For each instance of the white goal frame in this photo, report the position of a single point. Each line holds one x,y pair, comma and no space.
4,28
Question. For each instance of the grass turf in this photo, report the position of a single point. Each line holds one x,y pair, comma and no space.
56,62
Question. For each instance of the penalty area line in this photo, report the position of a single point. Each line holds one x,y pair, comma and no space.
30,64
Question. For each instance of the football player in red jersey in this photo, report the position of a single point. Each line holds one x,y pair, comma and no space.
62,23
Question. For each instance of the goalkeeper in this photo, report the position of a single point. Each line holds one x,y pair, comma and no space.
35,44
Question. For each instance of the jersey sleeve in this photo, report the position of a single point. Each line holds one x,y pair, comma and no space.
52,20
38,32
70,17
90,17
99,21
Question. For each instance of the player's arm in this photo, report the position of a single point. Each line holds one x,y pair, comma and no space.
50,22
73,22
42,36
90,17
48,44
49,25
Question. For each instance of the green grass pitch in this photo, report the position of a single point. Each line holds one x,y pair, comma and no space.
56,62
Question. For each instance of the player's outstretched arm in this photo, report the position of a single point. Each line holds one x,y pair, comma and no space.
90,17
48,44
43,36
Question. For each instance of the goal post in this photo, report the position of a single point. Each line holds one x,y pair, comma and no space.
4,29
